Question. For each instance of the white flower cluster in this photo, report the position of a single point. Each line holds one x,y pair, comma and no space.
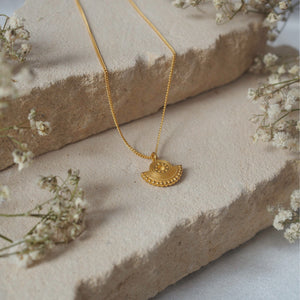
288,219
21,155
12,37
228,9
295,200
22,158
279,102
43,128
186,3
282,216
62,222
292,233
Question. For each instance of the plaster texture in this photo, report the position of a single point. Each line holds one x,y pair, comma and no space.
69,88
140,238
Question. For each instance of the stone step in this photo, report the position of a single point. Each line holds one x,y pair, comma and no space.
69,88
140,238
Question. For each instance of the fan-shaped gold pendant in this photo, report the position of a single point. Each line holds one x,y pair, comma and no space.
162,173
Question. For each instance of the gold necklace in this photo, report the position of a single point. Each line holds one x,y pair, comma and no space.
161,172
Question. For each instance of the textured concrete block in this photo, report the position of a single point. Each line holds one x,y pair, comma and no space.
69,88
141,238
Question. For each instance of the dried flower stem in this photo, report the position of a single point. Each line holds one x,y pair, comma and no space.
22,215
6,238
61,223
11,253
285,115
12,245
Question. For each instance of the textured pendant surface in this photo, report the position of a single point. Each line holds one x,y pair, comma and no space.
162,173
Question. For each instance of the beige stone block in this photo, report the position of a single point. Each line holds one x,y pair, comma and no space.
69,88
141,238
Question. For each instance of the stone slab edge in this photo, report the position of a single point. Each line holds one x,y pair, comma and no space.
194,244
77,106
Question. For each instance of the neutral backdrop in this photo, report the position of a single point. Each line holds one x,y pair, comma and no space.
266,267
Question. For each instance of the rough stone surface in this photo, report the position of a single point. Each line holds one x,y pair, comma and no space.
141,238
69,88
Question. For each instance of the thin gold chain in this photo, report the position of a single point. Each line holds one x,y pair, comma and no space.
106,76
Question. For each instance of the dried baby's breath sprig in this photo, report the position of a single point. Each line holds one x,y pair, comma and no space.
288,219
22,156
61,219
13,50
278,100
226,10
12,37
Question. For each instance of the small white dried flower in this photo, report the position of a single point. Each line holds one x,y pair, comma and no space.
14,22
283,5
270,59
281,70
34,247
22,158
31,118
24,146
252,94
291,99
22,260
43,128
23,34
73,176
293,232
281,126
237,6
281,139
294,70
179,3
192,2
218,3
10,35
220,18
4,193
272,20
254,119
261,135
80,203
32,114
48,183
274,78
24,49
295,200
257,66
281,217
274,111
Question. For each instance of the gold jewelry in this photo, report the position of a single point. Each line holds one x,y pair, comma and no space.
161,172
